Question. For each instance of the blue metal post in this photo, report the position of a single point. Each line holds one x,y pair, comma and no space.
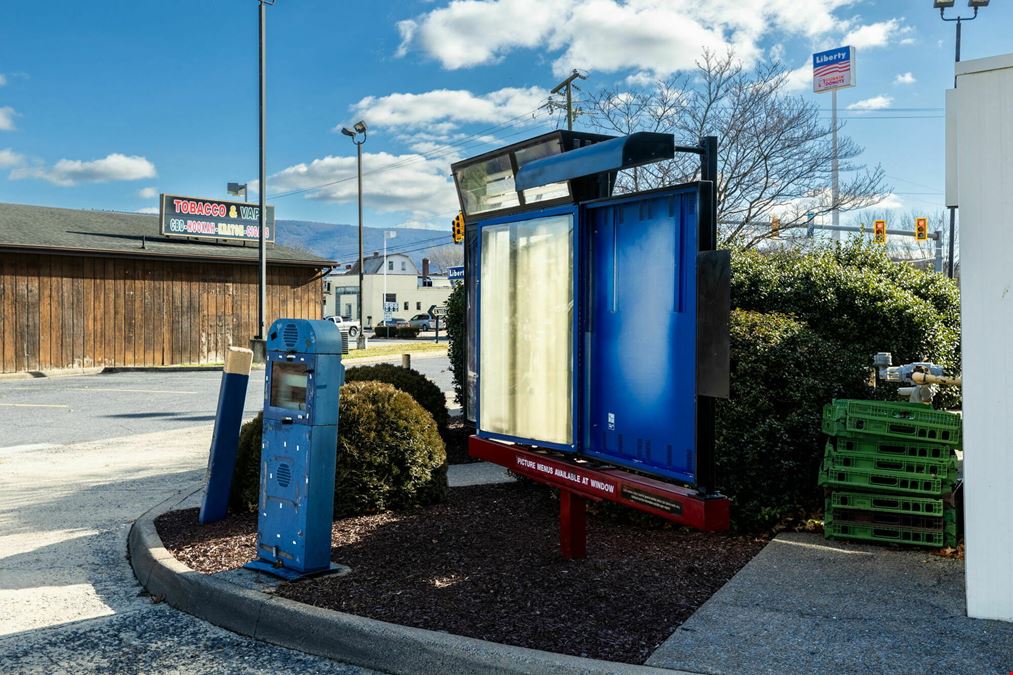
225,441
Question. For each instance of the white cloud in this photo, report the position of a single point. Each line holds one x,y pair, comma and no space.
7,115
3,79
905,78
874,103
888,203
877,34
641,78
147,193
69,172
656,36
800,79
471,32
10,159
441,110
148,209
394,183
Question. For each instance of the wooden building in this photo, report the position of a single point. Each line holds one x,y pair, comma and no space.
83,289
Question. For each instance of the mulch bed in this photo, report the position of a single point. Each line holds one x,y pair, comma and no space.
486,565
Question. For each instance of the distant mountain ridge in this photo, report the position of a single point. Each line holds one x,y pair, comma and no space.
340,242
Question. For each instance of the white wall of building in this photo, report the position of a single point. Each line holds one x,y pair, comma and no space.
980,181
403,281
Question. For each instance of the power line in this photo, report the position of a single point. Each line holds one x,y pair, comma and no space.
418,249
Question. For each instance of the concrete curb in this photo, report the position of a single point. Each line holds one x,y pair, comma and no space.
343,637
36,374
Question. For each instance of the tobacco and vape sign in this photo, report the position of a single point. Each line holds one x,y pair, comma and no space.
213,219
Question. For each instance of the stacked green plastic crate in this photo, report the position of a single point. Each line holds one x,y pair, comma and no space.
890,470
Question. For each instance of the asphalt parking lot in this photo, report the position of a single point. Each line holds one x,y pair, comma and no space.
61,410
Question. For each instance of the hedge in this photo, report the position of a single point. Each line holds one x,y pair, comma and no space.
457,335
804,332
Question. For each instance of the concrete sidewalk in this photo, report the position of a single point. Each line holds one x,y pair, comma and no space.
69,601
805,605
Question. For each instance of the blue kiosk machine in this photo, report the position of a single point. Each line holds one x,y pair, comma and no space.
597,324
300,437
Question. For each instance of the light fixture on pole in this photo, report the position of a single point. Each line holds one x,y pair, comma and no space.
359,129
237,188
942,6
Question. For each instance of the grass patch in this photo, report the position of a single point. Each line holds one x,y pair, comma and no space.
391,350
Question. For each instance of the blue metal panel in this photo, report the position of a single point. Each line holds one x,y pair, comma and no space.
641,333
612,155
224,446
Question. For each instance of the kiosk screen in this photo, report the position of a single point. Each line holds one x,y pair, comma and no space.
288,385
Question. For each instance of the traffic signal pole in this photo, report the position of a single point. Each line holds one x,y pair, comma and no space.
936,236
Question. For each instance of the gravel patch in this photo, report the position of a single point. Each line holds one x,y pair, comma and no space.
486,565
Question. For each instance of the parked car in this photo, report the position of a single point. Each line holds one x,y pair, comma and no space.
351,326
421,321
396,322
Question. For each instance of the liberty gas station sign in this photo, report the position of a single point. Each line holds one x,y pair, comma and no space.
213,219
834,69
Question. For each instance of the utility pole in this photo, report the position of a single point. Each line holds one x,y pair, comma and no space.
568,85
835,185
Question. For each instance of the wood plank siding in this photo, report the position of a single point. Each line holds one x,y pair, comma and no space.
60,311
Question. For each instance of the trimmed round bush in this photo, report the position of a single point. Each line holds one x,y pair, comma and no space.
389,457
408,380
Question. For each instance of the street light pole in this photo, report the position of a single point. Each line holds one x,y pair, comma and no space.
262,196
942,6
359,128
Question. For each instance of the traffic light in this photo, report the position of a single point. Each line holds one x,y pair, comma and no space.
457,228
921,229
775,226
879,231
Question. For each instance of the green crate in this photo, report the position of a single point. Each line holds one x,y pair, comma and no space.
883,481
887,534
944,469
890,447
909,421
887,503
946,523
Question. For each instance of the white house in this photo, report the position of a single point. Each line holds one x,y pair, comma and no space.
413,291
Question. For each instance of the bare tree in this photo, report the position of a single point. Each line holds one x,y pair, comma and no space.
444,257
775,152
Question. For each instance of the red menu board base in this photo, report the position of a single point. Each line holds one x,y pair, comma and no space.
579,480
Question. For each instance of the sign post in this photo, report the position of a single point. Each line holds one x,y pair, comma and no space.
834,69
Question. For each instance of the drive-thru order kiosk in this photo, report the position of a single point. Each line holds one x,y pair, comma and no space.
597,325
298,446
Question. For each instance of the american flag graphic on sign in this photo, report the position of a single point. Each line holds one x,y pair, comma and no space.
834,69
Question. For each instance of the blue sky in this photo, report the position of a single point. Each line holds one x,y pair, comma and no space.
105,104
